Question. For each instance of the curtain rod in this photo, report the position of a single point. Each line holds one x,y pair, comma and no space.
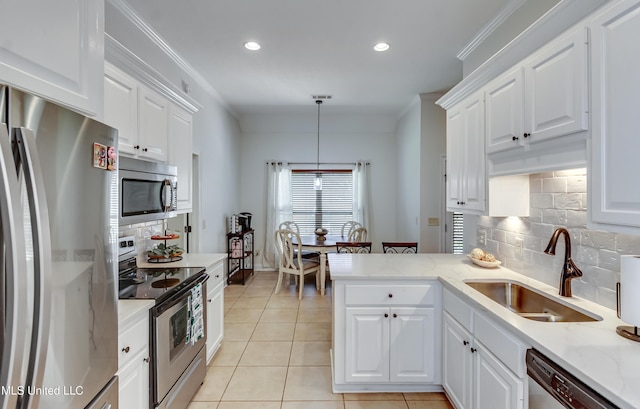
321,163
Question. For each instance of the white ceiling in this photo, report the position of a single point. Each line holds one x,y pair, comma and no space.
321,47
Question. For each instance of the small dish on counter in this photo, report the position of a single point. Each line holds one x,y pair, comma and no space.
483,263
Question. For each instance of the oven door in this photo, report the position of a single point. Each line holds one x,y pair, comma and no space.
171,352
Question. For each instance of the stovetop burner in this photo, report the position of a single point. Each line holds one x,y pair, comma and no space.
151,283
156,283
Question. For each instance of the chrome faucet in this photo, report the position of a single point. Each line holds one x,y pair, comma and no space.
569,269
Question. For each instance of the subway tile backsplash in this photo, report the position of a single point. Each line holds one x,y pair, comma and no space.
558,199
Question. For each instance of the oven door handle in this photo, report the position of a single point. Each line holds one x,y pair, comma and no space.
177,297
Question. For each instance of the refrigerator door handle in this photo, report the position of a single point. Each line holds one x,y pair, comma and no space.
43,266
12,280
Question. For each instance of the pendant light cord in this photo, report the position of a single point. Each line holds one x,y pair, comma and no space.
319,102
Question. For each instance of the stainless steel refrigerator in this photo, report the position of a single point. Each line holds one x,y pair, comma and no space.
58,257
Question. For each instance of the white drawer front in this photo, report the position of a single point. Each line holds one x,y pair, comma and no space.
506,347
132,340
458,309
216,275
418,294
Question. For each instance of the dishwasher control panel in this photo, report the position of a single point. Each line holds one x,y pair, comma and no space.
563,386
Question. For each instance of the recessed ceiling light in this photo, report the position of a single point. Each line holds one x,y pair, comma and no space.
252,46
381,47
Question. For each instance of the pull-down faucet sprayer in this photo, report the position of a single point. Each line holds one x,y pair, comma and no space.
569,269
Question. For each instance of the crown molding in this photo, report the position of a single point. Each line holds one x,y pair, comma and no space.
557,20
490,27
122,57
128,12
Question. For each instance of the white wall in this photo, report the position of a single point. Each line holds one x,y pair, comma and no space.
215,133
433,146
343,138
408,177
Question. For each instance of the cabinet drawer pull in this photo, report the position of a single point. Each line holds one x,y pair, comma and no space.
526,135
136,146
473,350
465,342
386,315
390,295
515,138
144,149
126,350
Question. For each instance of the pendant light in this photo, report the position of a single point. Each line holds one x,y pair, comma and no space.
317,183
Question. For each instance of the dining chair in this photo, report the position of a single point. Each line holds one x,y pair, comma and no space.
291,225
406,247
348,227
358,234
291,261
353,247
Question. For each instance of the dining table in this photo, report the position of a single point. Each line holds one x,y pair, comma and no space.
313,242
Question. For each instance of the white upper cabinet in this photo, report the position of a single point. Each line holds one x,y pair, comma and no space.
504,98
121,107
55,49
556,96
614,199
466,173
544,97
153,110
180,154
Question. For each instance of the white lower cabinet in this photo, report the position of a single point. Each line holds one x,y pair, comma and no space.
390,344
483,365
134,358
133,383
386,336
215,309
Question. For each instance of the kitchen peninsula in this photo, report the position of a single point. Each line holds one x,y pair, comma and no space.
422,286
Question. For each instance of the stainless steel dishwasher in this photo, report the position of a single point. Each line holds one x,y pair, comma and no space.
552,387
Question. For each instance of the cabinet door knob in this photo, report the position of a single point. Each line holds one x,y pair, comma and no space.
144,149
465,342
386,315
136,146
473,350
515,138
395,315
126,350
390,295
147,359
209,300
526,135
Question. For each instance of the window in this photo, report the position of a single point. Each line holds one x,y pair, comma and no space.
458,236
330,207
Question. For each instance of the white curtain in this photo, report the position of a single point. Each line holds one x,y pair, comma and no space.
361,189
278,206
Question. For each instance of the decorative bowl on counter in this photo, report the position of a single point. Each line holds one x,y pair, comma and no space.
484,263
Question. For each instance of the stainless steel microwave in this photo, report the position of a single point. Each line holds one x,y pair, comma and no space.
148,191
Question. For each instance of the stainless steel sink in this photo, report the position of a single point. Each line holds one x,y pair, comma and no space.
529,303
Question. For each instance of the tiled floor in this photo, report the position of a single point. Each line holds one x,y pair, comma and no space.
275,355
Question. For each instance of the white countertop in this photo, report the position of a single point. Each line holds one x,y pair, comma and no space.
129,310
206,260
592,351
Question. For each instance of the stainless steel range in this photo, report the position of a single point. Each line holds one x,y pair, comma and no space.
178,324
